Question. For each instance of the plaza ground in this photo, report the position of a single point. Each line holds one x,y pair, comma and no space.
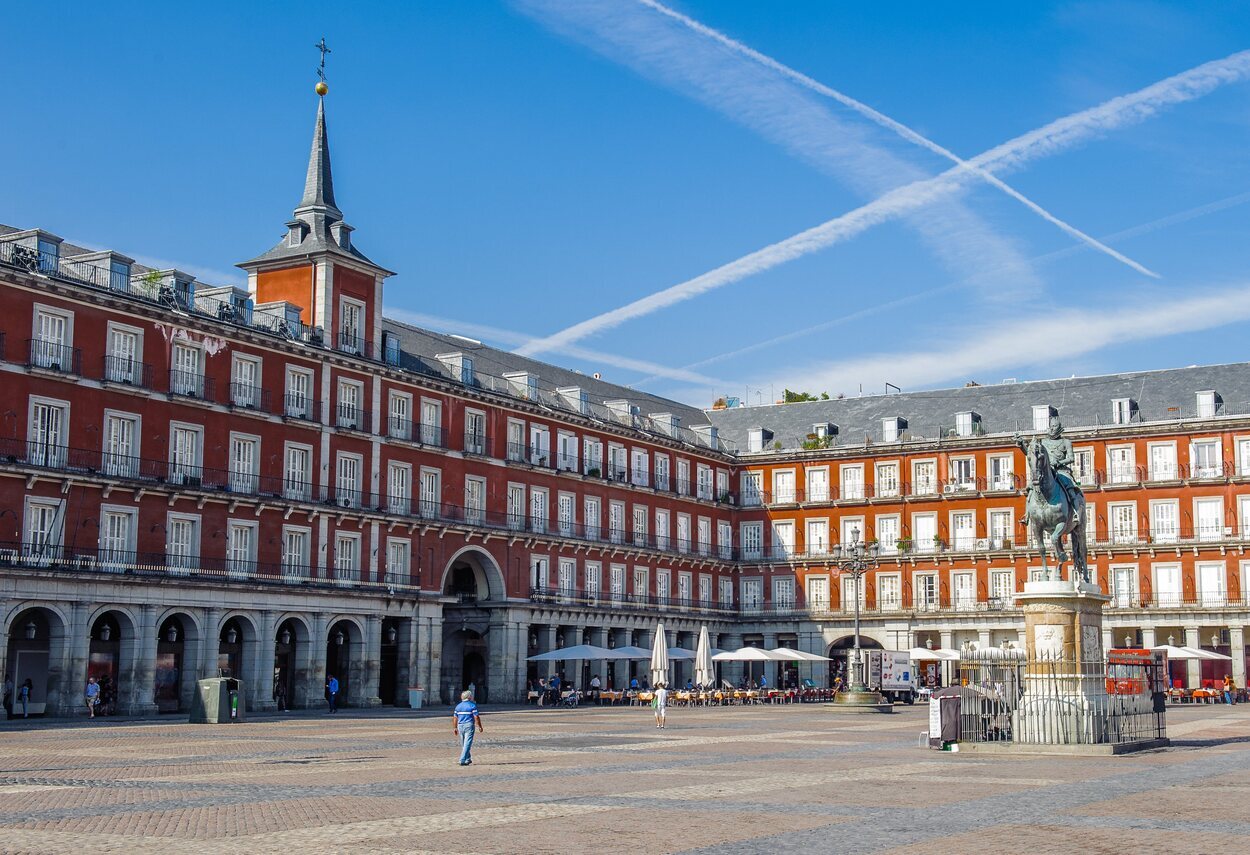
758,779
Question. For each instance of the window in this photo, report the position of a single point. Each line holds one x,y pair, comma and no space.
662,591
683,477
1083,466
887,480
618,582
240,547
705,590
1000,529
852,482
1206,405
351,326
398,488
123,356
641,468
117,536
753,487
683,533
44,527
963,473
923,478
1122,519
1243,456
347,491
1041,417
752,597
963,531
297,402
566,452
661,472
1002,587
431,423
564,513
1204,459
726,592
818,485
245,382
474,432
887,534
703,475
297,473
783,487
244,463
296,546
185,445
1123,587
593,571
347,557
755,439
594,457
783,539
516,506
616,522
399,416
398,560
662,529
349,413
119,275
51,345
1209,519
640,582
566,575
431,497
818,593
1243,512
963,424
783,593
182,541
704,531
48,440
640,525
1167,585
817,537
1121,464
474,500
890,429
187,375
852,591
1212,583
724,539
926,592
592,511
924,531
121,452
516,440
1122,411
616,462
889,593
538,572
539,513
1002,472
964,592
752,540
1162,461
1164,521
540,445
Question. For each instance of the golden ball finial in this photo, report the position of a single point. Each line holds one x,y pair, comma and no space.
321,88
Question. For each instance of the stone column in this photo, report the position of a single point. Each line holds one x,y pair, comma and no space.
620,667
773,668
520,631
1193,668
260,695
77,654
1148,637
210,644
315,690
371,663
500,636
430,655
1237,649
143,691
984,639
547,641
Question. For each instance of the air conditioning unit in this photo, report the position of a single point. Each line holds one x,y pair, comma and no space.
344,502
983,544
1228,531
949,488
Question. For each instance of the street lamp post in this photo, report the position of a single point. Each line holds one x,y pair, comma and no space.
856,559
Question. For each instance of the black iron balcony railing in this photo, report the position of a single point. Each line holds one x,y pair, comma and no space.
53,356
355,418
191,384
475,442
249,396
128,372
302,407
615,601
356,345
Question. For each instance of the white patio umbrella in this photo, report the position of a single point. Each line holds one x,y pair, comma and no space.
630,652
704,668
680,653
659,657
1177,654
924,654
577,651
1209,655
948,654
792,655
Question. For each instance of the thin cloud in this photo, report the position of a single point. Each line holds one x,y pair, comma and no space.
892,125
1051,138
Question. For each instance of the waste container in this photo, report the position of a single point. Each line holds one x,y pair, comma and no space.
218,700
416,697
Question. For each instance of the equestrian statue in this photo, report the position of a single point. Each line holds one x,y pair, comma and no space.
1055,507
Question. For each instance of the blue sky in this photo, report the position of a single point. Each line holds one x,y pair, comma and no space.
530,167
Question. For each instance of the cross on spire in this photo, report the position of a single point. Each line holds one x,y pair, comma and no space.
321,46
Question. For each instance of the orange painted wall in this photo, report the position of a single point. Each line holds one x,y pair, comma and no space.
357,286
293,284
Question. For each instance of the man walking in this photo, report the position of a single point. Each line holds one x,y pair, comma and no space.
332,693
660,702
8,696
465,722
93,695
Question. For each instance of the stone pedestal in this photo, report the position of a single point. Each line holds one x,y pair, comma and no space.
1065,697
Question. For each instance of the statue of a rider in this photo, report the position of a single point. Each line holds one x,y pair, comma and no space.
1062,458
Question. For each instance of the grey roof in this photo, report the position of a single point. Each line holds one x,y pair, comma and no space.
1080,401
319,182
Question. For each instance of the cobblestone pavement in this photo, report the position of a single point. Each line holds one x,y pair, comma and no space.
759,779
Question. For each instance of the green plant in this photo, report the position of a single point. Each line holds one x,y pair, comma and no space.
593,472
814,441
903,544
777,445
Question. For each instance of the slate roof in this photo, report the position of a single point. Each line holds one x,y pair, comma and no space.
1081,402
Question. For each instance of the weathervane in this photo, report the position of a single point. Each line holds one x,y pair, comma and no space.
321,87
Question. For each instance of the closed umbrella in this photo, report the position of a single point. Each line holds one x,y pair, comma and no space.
704,668
659,657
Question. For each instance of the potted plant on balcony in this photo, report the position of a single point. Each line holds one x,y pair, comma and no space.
903,544
937,543
593,472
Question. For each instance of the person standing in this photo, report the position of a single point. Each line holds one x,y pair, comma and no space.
8,697
1230,690
332,693
660,702
24,695
92,696
595,687
465,722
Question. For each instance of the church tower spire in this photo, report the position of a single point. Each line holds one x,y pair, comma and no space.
319,182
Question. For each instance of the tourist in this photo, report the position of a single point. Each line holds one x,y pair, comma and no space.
660,704
332,693
92,695
763,681
689,685
279,693
24,694
595,687
1230,690
633,684
8,697
465,721
105,707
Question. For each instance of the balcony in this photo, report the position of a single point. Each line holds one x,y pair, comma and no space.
249,396
53,356
190,384
567,462
431,434
475,443
301,407
617,601
349,417
356,345
126,372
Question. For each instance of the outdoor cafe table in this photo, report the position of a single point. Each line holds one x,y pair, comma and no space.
611,697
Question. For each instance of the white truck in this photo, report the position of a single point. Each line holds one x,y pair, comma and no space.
891,673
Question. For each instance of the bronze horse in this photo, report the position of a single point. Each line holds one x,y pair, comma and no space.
1050,515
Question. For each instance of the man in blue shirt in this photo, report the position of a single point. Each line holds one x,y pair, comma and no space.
465,721
332,693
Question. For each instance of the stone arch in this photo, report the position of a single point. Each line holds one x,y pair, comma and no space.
839,653
177,656
475,564
116,662
37,645
346,657
294,661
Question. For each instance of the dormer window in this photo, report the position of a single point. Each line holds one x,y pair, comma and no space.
49,253
967,424
459,366
757,437
577,400
1122,410
1042,414
892,428
1208,404
824,430
523,384
119,275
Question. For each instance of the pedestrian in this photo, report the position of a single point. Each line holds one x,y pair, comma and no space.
8,697
92,696
659,702
1230,689
332,693
595,687
466,721
24,694
279,693
105,705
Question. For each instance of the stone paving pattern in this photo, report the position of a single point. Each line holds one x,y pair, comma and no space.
758,779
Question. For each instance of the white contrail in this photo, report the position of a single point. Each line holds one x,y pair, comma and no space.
1057,135
891,124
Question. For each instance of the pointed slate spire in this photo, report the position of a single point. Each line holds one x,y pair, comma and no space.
319,183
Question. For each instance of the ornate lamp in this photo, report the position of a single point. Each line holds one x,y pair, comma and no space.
855,560
232,635
286,636
171,634
391,634
31,630
339,638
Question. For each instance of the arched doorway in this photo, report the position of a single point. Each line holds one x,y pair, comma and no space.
36,643
168,672
230,650
839,654
105,660
472,577
388,663
341,655
285,648
465,653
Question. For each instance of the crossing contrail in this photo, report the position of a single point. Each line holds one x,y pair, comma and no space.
1049,139
893,125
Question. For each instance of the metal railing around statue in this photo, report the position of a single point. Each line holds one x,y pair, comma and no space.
1058,701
